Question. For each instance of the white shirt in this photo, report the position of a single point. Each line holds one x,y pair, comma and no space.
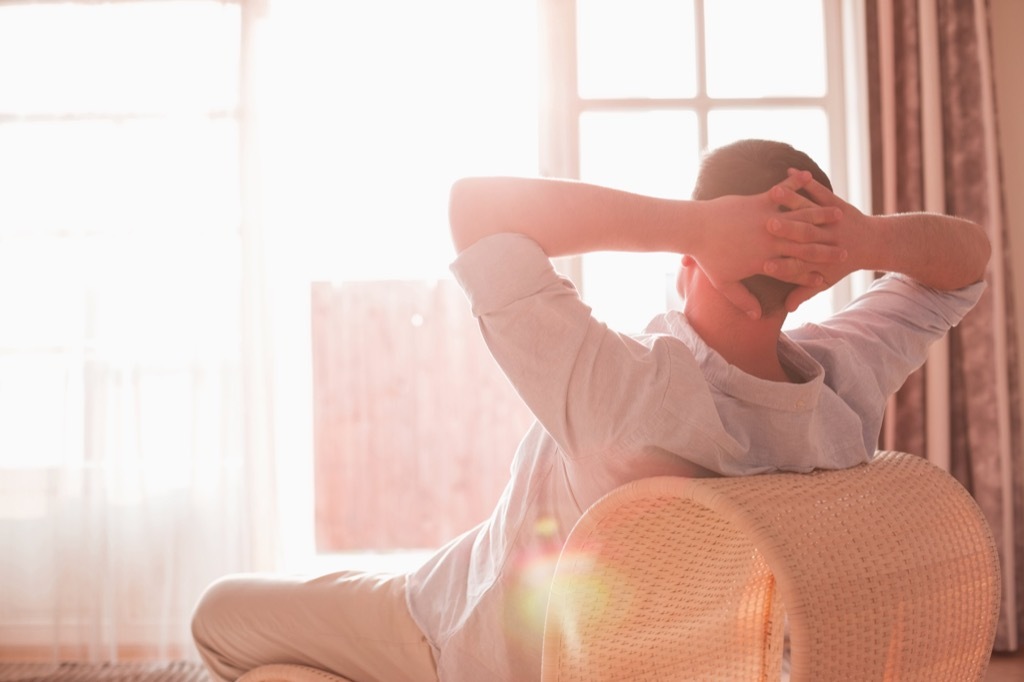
612,408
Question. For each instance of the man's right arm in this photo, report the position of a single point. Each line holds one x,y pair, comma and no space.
728,236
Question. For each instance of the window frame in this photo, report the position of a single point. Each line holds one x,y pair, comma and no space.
561,107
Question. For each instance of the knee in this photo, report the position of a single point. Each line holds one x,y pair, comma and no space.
211,624
211,607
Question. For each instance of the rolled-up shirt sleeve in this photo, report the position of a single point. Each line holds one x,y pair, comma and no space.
590,387
892,326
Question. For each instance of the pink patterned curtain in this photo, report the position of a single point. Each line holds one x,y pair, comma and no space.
933,133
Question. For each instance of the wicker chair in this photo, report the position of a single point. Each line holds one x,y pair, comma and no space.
886,571
289,672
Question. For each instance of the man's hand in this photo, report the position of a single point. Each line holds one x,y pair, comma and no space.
851,233
779,233
730,238
939,251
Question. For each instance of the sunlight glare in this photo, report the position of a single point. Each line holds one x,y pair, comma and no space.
118,57
376,112
777,49
641,48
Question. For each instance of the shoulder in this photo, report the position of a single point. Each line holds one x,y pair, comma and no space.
894,302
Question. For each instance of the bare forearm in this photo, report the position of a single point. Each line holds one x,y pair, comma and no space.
566,217
730,237
939,251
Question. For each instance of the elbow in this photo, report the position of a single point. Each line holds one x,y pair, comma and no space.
457,213
983,250
464,212
482,206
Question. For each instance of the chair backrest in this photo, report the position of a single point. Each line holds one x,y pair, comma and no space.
886,571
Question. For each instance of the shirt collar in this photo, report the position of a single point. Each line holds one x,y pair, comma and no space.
734,382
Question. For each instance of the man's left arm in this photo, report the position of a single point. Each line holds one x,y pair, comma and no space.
942,252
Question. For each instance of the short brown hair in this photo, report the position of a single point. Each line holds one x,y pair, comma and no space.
750,167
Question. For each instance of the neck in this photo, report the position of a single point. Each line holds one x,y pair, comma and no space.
749,345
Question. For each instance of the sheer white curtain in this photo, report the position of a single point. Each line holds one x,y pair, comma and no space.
133,384
173,176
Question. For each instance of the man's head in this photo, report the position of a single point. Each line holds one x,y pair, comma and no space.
750,167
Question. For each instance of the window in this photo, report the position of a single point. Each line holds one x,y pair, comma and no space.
647,86
123,164
118,220
121,254
631,94
370,111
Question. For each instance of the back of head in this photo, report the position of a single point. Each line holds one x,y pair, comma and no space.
750,167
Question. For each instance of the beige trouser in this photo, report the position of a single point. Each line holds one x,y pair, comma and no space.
353,624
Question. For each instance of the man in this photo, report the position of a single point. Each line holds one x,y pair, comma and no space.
716,389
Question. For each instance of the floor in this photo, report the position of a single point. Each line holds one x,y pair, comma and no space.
177,671
1006,668
1003,668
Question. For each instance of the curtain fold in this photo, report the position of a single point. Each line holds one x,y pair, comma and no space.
933,133
136,421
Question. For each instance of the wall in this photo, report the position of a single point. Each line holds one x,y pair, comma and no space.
1007,21
411,413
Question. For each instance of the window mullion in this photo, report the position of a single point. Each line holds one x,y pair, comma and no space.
560,105
703,103
559,99
834,97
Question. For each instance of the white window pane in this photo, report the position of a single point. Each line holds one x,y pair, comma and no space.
42,301
40,409
818,308
806,129
626,290
654,153
158,298
164,300
380,116
640,48
174,175
763,48
118,57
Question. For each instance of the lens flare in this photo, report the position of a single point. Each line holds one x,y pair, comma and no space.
535,582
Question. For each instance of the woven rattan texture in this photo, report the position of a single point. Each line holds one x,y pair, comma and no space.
888,571
285,672
703,583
